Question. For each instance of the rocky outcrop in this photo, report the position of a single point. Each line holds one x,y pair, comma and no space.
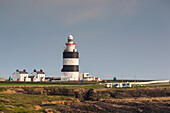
94,94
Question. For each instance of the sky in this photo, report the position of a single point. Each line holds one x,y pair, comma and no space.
113,37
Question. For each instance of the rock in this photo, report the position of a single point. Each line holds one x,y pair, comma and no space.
11,106
4,100
48,111
56,102
37,107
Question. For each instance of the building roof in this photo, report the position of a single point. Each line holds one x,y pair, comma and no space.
39,72
22,72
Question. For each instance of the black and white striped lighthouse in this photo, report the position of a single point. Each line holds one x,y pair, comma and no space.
70,70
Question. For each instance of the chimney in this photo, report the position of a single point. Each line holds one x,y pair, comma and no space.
41,70
34,70
24,70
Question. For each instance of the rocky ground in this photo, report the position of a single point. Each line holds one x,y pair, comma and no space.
142,100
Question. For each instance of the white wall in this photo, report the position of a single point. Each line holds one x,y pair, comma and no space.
81,76
38,77
70,48
22,76
17,75
41,76
66,76
88,78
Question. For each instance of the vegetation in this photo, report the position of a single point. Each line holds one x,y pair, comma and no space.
17,103
70,87
70,98
21,83
135,100
49,83
3,89
65,85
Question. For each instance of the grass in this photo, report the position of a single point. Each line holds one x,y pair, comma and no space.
79,86
100,87
30,84
3,89
65,85
50,83
69,87
25,103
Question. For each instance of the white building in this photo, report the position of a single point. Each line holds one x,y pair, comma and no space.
87,77
37,76
20,76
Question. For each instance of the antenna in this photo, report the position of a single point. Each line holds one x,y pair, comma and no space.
134,79
122,77
97,77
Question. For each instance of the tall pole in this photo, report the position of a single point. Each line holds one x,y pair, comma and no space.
122,77
97,77
135,79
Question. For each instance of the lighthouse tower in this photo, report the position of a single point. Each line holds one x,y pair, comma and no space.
70,70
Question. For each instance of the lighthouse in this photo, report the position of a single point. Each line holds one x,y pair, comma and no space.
70,70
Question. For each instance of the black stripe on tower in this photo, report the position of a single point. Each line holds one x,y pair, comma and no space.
70,68
70,55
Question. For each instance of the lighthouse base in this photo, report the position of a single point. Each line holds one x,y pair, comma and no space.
69,76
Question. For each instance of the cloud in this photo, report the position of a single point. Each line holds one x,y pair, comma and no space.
100,9
84,15
128,7
75,11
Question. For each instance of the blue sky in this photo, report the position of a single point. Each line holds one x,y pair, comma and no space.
112,36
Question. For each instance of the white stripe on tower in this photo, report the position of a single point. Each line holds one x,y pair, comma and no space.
70,61
70,69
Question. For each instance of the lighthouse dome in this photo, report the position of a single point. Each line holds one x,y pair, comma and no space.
70,37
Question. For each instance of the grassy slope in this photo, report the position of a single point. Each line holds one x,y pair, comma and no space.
26,103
